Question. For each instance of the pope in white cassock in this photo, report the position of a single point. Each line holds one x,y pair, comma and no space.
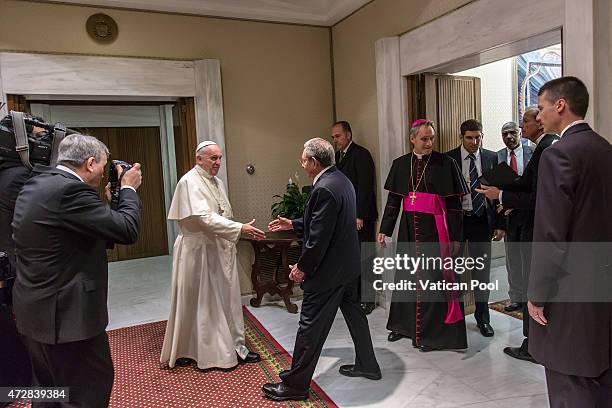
206,322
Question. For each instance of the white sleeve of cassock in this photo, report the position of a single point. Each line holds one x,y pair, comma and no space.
220,226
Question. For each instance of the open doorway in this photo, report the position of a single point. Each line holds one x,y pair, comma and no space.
158,134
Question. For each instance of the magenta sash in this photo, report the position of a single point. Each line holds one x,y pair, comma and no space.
434,204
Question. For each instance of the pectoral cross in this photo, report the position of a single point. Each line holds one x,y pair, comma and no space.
412,197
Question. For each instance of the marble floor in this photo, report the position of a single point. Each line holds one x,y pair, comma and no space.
481,377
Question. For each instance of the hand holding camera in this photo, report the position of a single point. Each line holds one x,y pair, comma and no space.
132,177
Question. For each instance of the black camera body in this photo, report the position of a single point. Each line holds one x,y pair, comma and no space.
115,180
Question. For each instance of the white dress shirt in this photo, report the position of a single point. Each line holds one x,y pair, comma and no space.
519,158
319,175
465,169
577,122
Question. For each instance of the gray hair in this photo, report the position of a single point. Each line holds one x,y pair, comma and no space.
414,130
75,149
532,111
321,150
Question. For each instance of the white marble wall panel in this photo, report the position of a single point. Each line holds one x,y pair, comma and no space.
391,112
479,26
99,115
209,106
3,102
89,75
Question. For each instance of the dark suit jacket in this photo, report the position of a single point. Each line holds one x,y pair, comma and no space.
330,250
523,197
358,166
573,207
12,178
61,227
488,160
502,155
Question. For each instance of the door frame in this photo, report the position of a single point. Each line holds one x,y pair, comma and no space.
91,115
82,77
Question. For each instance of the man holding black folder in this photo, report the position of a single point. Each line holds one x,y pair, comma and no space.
517,156
520,197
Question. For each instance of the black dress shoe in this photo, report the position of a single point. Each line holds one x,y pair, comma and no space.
368,307
512,307
395,336
183,362
352,371
426,349
281,392
485,329
252,357
519,353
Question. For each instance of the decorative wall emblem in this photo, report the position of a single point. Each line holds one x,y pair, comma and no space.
102,28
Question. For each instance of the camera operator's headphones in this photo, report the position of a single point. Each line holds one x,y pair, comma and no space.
19,120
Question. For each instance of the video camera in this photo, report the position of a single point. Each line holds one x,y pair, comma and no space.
115,180
18,142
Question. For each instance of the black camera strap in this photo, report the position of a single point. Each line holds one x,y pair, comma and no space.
59,132
21,138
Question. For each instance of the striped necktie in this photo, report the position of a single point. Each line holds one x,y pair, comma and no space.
478,202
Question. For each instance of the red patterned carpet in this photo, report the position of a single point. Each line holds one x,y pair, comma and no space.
140,380
499,307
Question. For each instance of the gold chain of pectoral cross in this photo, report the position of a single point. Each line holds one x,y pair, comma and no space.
218,197
412,195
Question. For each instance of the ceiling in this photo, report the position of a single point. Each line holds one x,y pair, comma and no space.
314,12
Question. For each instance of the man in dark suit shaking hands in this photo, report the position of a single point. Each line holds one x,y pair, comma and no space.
61,230
571,331
356,163
328,269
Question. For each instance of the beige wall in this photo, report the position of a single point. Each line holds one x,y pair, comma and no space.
276,79
354,60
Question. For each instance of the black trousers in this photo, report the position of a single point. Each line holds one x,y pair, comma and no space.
571,391
514,261
83,366
367,240
317,316
477,237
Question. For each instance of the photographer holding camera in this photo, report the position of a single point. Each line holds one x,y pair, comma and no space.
61,229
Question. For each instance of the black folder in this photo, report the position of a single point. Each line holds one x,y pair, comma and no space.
501,176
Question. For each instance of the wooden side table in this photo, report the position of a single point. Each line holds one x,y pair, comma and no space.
270,271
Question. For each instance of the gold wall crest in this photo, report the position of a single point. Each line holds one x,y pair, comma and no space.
102,28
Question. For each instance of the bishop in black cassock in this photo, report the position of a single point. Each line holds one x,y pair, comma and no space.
432,320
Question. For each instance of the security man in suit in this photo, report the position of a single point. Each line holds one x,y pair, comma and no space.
356,163
480,220
328,269
569,286
520,200
61,229
516,155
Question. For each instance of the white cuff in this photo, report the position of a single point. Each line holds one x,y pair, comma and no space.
500,196
130,187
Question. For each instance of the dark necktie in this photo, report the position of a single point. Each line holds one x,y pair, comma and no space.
341,158
513,164
478,201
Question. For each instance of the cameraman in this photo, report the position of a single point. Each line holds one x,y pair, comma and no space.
61,228
14,360
13,355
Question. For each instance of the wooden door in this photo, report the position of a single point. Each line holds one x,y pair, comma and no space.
142,145
185,138
447,100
